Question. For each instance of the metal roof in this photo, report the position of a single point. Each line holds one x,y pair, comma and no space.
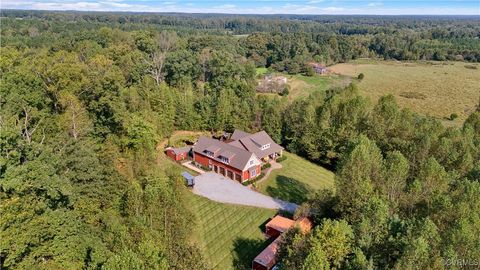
187,176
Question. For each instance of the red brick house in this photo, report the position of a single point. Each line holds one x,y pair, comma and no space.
178,154
233,162
240,157
260,143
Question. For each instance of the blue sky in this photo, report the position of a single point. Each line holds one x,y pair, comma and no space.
379,7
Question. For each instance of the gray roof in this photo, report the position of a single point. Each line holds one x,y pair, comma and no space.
238,134
227,154
187,176
240,156
213,148
253,142
181,150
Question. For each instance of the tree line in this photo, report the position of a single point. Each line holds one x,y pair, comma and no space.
84,103
406,187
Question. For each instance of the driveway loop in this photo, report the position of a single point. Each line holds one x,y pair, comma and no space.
221,189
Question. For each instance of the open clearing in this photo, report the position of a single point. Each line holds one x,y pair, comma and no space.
303,86
437,89
297,180
230,236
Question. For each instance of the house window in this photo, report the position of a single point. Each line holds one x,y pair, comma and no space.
266,146
251,162
224,160
210,154
253,173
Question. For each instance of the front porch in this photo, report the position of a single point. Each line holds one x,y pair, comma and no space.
271,157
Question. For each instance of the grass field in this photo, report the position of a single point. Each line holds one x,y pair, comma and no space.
229,235
303,86
261,70
437,89
297,180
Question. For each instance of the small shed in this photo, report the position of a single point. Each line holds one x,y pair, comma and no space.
278,225
190,179
268,257
178,154
319,68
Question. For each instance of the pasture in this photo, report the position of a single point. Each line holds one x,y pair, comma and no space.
297,180
303,86
436,89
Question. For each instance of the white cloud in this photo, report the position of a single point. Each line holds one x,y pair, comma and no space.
312,2
374,4
372,8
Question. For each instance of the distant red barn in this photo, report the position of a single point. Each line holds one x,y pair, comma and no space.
178,154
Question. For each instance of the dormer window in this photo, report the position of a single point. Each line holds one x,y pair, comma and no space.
224,159
265,146
210,154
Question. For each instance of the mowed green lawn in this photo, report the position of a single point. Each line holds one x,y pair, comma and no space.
297,180
229,235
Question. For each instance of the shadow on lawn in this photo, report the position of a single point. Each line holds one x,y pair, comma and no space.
289,189
246,250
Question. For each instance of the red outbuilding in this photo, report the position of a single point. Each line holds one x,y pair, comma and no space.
178,154
277,225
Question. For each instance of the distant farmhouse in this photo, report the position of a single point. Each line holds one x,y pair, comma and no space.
318,68
239,158
272,84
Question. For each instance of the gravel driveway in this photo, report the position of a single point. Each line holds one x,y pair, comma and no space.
221,189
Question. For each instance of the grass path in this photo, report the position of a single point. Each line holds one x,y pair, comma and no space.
297,180
229,235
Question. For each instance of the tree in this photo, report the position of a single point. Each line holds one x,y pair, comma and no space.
164,42
356,177
75,117
335,239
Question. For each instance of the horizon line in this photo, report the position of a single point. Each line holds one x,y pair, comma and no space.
248,14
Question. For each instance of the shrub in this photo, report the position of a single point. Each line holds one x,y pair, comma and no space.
361,76
251,181
285,91
196,164
309,71
413,95
453,116
282,158
266,166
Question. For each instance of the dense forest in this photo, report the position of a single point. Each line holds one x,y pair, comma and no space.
86,97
